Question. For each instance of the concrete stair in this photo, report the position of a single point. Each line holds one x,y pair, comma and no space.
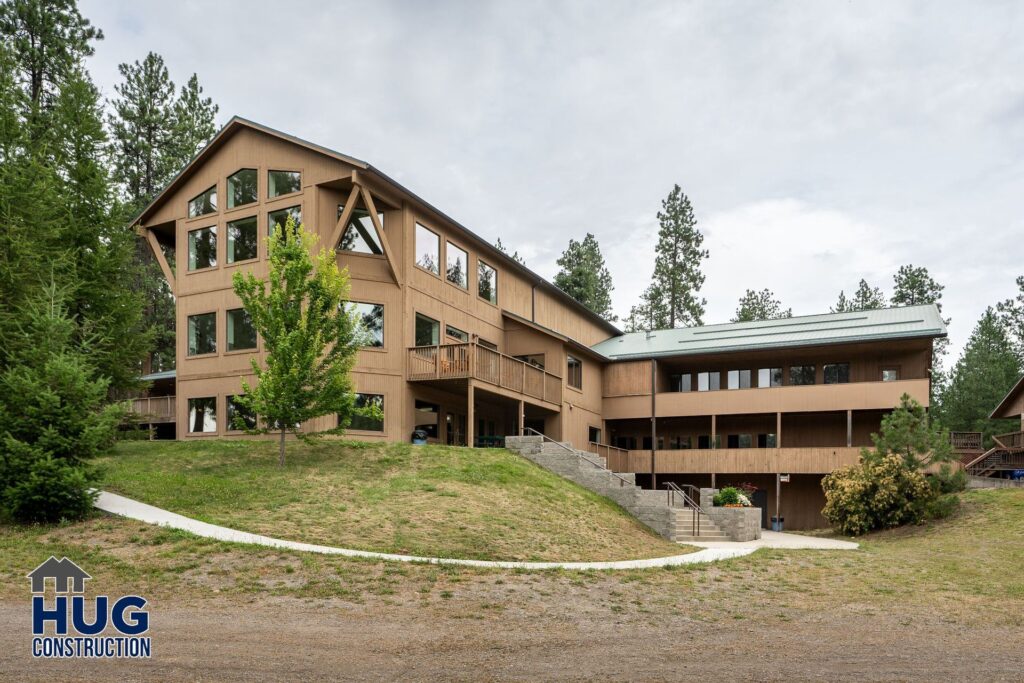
652,508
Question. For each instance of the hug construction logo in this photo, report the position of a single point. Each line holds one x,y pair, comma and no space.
102,631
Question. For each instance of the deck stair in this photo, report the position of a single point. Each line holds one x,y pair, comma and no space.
1007,454
669,514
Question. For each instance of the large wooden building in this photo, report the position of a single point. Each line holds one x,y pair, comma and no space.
468,345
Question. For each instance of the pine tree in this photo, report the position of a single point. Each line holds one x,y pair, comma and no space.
913,286
504,250
677,275
311,339
864,299
194,123
760,306
985,372
585,277
1011,313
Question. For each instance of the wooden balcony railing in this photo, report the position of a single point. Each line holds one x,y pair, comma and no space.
469,360
1013,440
155,408
965,441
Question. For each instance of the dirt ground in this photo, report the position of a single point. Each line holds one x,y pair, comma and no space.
565,636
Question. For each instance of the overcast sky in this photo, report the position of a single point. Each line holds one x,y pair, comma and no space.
819,142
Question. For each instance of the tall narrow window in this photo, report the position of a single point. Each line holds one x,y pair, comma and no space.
283,182
242,188
574,373
371,320
241,333
203,203
739,379
202,248
242,239
457,266
360,235
769,377
364,422
427,331
681,382
709,381
836,373
280,218
428,255
239,417
801,374
202,334
487,284
202,415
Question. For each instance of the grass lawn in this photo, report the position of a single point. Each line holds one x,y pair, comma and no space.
426,500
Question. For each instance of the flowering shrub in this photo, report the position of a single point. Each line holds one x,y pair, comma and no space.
731,496
876,494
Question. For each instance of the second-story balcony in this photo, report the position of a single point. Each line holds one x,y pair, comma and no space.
465,361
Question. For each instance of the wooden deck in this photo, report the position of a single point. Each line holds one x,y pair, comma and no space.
816,460
155,409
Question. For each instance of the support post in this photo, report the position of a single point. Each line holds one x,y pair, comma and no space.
778,430
654,422
778,493
470,419
714,431
713,480
521,418
849,428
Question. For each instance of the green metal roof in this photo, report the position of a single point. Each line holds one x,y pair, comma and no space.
807,330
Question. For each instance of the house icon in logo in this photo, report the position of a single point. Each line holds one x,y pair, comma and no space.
61,571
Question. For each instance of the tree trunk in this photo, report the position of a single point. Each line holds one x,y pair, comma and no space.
280,459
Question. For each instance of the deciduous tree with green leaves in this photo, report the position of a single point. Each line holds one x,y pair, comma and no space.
864,299
585,277
760,306
311,339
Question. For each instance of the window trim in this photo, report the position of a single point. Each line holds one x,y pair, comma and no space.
227,236
569,358
849,373
415,256
216,410
227,351
228,429
782,374
269,210
897,368
383,325
188,248
188,205
383,420
216,334
447,335
449,243
301,173
495,271
802,365
415,316
227,187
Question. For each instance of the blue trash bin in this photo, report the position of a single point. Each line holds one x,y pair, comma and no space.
777,523
419,437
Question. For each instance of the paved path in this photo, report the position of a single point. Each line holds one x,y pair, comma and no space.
775,539
133,509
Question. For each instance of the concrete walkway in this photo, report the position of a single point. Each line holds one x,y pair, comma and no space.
775,539
133,509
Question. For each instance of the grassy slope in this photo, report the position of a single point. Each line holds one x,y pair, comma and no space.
431,500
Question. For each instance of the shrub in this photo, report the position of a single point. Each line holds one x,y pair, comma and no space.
49,490
727,496
876,494
942,506
948,480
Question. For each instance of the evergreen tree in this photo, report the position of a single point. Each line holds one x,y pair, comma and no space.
650,313
913,286
504,250
673,300
585,277
194,123
982,376
311,338
910,433
864,299
1011,313
760,306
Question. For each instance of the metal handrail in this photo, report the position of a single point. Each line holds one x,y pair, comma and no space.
622,480
673,489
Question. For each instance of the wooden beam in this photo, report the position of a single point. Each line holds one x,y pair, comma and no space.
390,255
849,428
161,259
520,418
778,430
469,413
346,214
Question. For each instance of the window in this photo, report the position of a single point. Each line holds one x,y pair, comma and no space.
283,182
627,442
457,266
202,415
202,248
366,423
360,234
280,218
427,256
574,371
837,373
237,413
203,203
456,333
487,283
769,377
371,318
242,239
801,374
890,374
739,379
202,334
486,344
594,434
704,441
426,417
242,188
766,441
534,359
709,381
427,331
241,333
681,382
680,442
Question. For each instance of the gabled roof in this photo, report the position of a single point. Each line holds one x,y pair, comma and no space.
806,330
1011,396
238,123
